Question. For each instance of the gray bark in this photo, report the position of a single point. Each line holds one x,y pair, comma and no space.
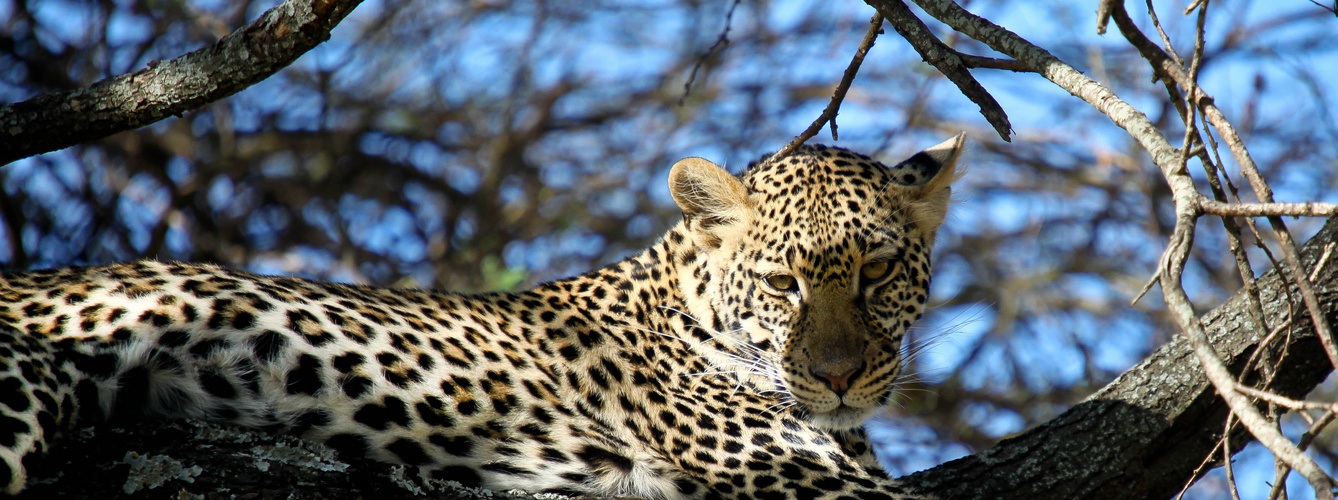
58,120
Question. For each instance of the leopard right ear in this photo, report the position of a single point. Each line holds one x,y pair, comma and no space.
713,201
925,180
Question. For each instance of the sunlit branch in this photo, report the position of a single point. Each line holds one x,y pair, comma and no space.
1171,161
1306,209
1166,68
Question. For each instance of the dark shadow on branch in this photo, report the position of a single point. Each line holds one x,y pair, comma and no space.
950,62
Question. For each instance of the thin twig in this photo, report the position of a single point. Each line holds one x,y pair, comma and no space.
1333,9
1216,176
1147,287
1165,39
838,95
1226,464
1264,343
1285,402
1323,260
721,43
972,61
1207,462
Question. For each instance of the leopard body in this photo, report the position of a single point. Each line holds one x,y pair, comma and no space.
737,357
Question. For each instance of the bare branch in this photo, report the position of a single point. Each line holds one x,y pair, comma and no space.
834,106
1068,78
1165,67
1103,15
1171,161
1215,369
1285,402
54,121
1147,428
721,43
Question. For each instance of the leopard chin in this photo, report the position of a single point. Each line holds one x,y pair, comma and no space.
842,418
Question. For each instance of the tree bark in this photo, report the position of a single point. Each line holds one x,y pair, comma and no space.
197,460
1142,436
58,120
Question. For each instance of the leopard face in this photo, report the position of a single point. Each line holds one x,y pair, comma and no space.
810,269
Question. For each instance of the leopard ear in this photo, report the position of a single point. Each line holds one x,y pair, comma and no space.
930,170
713,201
927,179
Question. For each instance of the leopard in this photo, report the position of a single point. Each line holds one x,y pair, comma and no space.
737,357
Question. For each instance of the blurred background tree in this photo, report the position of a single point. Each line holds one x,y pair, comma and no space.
495,144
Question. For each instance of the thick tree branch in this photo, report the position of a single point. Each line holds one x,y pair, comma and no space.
1144,434
54,121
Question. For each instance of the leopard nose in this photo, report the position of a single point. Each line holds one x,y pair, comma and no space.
839,382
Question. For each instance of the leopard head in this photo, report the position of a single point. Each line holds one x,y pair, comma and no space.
808,270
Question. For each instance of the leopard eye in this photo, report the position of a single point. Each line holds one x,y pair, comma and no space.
874,271
782,282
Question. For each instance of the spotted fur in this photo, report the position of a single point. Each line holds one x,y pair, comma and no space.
735,358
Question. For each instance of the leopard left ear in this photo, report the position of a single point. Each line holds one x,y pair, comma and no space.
714,202
927,178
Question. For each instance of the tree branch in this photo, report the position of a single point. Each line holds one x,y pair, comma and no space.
54,121
1166,68
1172,163
1144,434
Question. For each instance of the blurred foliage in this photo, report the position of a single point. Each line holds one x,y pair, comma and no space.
482,144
